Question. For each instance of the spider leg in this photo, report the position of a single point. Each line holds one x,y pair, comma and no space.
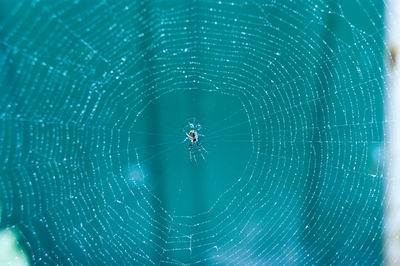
199,148
192,154
188,137
201,154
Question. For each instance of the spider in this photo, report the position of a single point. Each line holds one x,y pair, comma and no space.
193,136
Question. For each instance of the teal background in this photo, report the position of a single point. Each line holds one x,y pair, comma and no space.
94,166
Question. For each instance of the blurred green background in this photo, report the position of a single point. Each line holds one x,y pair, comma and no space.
96,96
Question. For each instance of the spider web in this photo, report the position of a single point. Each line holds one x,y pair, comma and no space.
289,94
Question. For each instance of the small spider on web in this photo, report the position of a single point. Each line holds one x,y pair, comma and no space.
192,131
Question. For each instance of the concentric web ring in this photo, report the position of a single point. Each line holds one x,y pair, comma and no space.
289,95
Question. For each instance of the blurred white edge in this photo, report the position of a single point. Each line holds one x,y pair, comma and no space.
10,251
392,137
